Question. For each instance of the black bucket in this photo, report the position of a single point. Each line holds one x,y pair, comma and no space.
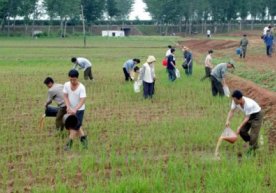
51,111
70,121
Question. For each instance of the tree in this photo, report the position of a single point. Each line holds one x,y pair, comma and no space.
93,9
124,7
26,8
111,8
65,11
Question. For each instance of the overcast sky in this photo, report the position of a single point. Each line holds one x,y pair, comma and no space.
139,11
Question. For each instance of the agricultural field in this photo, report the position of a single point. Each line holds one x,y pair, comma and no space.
163,145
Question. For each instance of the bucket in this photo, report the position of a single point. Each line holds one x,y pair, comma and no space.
229,135
70,121
238,51
51,111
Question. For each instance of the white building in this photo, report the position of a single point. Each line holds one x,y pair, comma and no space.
113,33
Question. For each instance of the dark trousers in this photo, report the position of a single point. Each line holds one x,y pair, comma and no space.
88,73
60,113
268,50
189,70
207,73
216,87
148,89
243,52
127,75
254,125
171,73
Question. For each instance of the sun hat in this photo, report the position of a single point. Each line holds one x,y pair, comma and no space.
151,59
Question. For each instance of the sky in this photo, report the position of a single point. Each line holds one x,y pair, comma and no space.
139,11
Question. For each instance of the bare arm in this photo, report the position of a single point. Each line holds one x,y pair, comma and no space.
82,100
229,117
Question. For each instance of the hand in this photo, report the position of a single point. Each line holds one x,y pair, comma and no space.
227,124
238,131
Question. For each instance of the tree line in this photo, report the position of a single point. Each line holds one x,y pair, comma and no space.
63,10
163,12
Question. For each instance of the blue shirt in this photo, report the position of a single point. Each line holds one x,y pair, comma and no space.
268,39
129,65
171,59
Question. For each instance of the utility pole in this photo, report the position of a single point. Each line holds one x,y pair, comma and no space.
83,28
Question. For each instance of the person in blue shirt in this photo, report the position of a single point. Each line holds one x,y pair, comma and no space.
188,61
268,39
171,66
128,67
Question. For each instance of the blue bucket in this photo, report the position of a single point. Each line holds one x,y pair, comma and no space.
238,51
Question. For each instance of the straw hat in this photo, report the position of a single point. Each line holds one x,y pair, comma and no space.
151,59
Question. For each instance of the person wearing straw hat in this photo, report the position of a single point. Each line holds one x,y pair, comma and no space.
147,75
55,94
74,97
252,120
218,77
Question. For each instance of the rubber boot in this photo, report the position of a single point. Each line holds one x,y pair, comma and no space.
84,142
68,145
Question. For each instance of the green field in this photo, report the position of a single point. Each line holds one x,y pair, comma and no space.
135,146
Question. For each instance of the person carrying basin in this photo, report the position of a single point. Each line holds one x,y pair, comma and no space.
74,97
218,82
252,120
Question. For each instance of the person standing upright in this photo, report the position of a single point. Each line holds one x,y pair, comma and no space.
269,41
218,77
147,75
243,45
85,64
208,65
128,68
168,52
171,66
188,61
74,97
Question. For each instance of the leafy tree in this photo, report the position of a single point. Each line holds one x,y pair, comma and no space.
93,9
124,8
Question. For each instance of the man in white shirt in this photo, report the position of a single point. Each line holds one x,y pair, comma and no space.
168,52
252,120
85,64
74,97
208,65
55,94
208,33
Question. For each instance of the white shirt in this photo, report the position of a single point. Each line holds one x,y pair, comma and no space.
75,96
250,106
147,73
208,61
265,30
168,53
208,32
82,63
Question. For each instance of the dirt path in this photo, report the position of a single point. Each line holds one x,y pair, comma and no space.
261,63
